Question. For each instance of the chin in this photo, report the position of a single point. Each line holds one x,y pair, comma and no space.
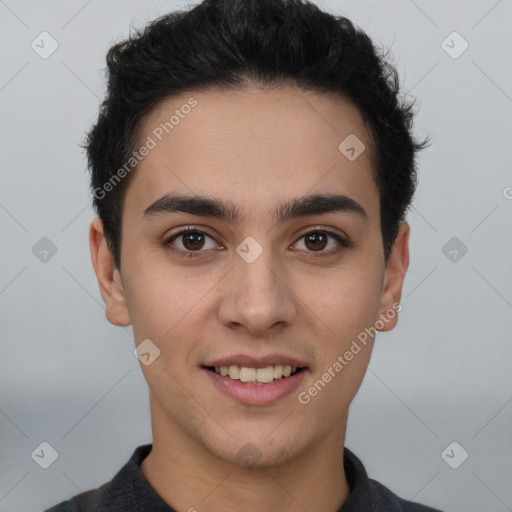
257,451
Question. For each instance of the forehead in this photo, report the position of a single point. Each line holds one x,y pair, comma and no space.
255,146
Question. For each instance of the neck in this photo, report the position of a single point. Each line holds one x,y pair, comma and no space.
188,477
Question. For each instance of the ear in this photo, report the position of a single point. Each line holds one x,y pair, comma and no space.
396,267
109,278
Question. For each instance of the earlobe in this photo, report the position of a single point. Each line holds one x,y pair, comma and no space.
108,276
396,268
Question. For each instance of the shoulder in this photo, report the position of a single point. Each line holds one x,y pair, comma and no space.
385,499
369,495
123,493
103,499
92,500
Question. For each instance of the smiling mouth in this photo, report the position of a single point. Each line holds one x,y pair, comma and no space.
247,375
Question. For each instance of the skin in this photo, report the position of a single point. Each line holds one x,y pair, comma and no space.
257,148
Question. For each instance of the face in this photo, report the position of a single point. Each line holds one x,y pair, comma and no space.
261,278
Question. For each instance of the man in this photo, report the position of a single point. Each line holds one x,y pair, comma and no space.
251,168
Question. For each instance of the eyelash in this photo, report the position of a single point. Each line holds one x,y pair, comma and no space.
345,244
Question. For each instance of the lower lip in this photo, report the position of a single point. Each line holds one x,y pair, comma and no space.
254,394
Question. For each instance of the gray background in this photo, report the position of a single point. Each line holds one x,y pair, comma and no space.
68,377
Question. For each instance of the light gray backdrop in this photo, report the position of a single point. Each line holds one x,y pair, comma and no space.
443,375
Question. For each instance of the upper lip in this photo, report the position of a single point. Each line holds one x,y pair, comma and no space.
257,362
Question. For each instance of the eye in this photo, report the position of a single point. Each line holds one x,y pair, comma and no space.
190,241
316,241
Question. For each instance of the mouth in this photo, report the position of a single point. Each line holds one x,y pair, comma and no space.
256,381
256,376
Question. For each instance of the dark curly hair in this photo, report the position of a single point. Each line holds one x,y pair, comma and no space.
228,44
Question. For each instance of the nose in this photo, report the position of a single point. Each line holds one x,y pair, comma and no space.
258,299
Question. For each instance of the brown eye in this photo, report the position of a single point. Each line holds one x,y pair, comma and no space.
190,243
193,241
316,241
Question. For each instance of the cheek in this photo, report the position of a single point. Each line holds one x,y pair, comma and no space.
346,302
163,299
343,354
149,297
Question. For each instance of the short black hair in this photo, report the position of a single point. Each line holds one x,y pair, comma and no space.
229,44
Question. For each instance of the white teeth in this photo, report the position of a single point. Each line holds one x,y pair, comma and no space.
247,374
234,371
265,375
256,375
278,371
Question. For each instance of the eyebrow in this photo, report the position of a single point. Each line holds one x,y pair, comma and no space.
227,211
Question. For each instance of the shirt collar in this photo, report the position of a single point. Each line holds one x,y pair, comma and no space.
365,494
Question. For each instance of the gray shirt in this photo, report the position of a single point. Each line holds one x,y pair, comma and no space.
129,491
